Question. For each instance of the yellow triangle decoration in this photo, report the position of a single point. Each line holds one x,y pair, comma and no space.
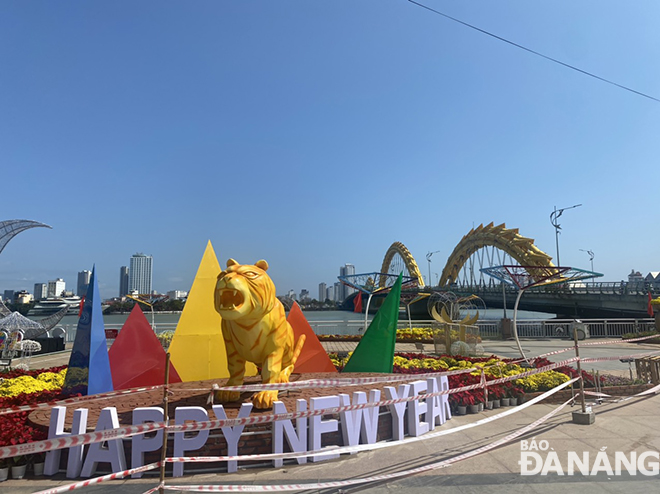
198,348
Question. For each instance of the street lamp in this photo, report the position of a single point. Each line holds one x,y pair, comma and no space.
428,258
554,217
591,256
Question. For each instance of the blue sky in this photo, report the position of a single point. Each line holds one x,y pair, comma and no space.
312,134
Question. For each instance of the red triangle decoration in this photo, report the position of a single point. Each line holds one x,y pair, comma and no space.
313,357
136,357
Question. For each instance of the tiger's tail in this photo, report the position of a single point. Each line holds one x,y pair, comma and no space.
286,373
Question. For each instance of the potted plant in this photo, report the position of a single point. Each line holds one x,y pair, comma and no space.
462,400
517,395
37,460
19,466
496,392
4,470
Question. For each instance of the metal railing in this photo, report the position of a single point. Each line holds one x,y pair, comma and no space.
488,329
595,328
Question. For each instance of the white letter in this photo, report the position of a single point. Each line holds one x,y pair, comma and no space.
113,453
56,429
417,408
232,434
350,421
141,444
552,464
443,381
183,444
434,411
620,458
284,428
574,460
544,445
318,426
602,464
524,463
523,445
397,409
654,464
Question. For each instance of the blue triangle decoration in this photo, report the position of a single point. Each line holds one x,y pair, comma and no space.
89,364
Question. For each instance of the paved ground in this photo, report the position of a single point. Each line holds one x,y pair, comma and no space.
623,427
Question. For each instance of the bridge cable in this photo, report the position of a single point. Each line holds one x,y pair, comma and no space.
535,52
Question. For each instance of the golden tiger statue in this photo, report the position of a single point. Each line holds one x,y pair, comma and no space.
255,329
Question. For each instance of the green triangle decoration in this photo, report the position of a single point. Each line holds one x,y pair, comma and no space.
375,351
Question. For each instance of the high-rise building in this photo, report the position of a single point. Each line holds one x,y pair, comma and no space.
40,291
140,273
322,292
336,293
344,290
56,287
83,282
123,281
330,293
304,294
8,296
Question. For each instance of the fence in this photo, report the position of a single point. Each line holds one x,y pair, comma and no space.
595,328
488,329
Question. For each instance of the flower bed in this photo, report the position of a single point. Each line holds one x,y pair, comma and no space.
494,368
404,335
19,388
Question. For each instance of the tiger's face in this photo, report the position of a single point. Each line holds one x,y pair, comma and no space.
244,291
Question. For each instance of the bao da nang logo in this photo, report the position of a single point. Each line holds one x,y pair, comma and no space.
538,458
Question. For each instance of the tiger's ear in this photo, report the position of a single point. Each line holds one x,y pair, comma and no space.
262,265
231,262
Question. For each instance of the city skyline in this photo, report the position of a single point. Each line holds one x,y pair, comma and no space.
310,134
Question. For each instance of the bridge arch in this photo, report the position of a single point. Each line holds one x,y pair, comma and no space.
508,240
398,258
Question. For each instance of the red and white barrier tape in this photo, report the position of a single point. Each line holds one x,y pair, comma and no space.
588,360
110,434
340,382
381,445
95,437
79,440
532,372
568,349
98,480
376,478
347,449
653,390
77,399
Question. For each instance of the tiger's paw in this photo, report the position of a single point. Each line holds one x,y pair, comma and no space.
264,399
227,396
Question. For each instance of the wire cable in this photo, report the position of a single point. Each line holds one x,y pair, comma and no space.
534,52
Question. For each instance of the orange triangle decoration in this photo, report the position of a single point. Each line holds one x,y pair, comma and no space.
313,357
136,357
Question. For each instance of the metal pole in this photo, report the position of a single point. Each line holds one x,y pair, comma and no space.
504,299
366,311
579,368
409,318
163,451
556,225
515,325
